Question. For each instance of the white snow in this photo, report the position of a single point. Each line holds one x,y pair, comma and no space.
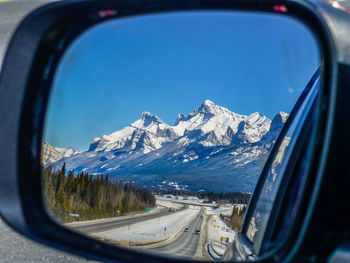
225,210
165,227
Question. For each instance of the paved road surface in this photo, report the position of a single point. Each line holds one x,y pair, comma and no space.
185,246
104,226
11,13
16,248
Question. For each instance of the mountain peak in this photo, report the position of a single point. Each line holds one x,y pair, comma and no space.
52,154
208,103
208,107
180,117
149,117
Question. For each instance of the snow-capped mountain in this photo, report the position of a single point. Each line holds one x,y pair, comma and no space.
146,134
211,149
52,154
213,124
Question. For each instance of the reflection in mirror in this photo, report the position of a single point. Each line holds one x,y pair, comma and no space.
258,221
158,126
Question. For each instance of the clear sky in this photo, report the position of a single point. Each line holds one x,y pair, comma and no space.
170,63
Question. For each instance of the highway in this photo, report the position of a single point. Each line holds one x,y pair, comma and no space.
118,222
185,245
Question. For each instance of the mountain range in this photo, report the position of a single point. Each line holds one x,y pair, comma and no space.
210,149
52,154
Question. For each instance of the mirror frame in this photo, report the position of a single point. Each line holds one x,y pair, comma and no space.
32,57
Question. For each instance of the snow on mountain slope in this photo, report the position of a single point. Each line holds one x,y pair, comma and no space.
146,134
51,154
215,124
210,149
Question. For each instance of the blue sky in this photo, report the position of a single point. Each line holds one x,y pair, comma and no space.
170,63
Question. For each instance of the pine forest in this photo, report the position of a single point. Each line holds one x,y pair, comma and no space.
85,197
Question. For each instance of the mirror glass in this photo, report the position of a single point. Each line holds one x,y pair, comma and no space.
158,126
261,209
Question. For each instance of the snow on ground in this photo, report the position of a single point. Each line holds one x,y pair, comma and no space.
168,204
224,209
217,231
221,210
164,227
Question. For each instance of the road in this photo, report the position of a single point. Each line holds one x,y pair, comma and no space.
104,226
15,248
11,13
185,246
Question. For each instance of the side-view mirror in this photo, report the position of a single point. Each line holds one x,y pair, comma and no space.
161,131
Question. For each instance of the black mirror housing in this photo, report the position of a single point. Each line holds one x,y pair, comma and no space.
31,59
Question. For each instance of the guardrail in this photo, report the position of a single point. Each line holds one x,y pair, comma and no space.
128,243
211,254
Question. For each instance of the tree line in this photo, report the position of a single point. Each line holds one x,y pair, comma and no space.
91,197
233,198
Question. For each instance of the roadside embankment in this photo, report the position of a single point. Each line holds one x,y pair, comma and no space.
161,206
151,231
219,234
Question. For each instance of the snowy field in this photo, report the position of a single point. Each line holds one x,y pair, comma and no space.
153,230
